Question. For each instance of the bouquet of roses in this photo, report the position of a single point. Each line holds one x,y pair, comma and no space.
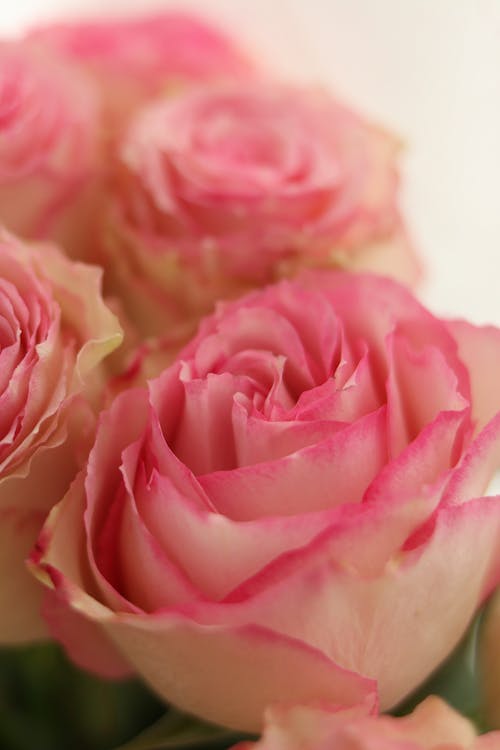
239,459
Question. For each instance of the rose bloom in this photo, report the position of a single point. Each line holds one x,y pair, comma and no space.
133,59
54,331
228,187
292,510
490,662
49,146
433,725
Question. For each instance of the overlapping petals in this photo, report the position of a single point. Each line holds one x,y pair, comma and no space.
49,146
228,187
293,510
433,724
54,331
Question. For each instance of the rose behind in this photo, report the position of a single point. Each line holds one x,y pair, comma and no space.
433,725
223,188
490,663
54,331
49,147
134,59
293,510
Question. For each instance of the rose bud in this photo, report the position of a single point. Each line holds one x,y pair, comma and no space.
490,663
49,147
225,188
292,511
433,725
54,331
134,59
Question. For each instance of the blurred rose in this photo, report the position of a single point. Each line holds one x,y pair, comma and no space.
433,725
225,188
293,510
134,59
54,330
48,147
490,662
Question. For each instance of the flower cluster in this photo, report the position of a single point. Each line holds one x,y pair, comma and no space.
269,502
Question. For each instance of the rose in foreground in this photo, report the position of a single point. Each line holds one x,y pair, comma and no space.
54,330
224,188
134,59
49,153
293,510
433,725
490,663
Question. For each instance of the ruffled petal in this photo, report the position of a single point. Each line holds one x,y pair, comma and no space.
373,618
479,350
328,473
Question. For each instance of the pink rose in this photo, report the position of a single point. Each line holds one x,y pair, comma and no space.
433,725
490,662
225,188
54,330
293,510
133,59
49,153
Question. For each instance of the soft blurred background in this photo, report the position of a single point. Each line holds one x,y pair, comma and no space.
428,70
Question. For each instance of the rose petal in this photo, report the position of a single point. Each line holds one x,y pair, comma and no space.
258,439
479,349
216,672
335,471
433,724
204,440
135,550
408,413
426,460
191,536
477,466
84,641
373,622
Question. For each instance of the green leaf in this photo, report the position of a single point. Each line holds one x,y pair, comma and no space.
176,730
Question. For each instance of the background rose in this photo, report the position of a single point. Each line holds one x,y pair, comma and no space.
224,188
490,662
54,330
133,59
433,724
289,513
49,147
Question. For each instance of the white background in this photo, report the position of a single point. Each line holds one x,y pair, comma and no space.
429,69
